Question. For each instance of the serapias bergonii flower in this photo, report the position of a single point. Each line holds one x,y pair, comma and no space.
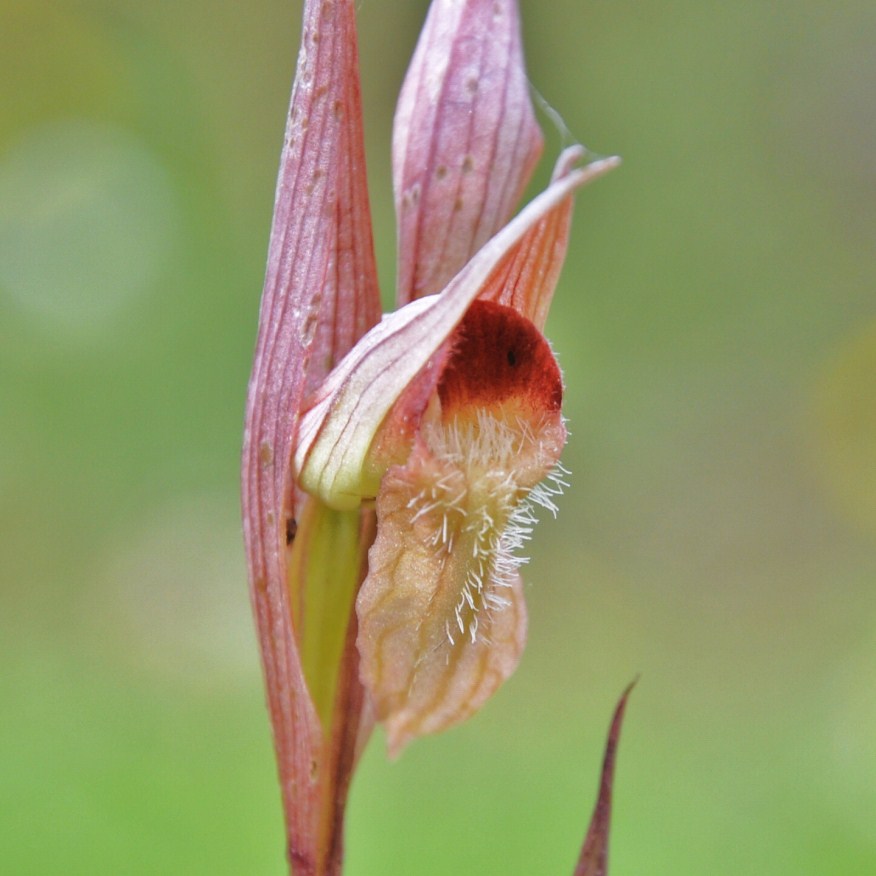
448,414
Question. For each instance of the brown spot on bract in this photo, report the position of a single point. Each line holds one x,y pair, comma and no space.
291,530
307,328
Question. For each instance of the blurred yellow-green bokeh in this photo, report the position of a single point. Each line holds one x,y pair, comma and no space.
717,327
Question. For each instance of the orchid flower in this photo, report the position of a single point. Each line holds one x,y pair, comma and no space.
391,466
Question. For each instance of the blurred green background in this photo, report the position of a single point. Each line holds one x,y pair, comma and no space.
717,326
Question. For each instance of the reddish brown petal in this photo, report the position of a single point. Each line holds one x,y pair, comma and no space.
500,358
465,140
344,415
320,295
594,854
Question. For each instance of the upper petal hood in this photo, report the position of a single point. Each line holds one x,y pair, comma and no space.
337,431
526,281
